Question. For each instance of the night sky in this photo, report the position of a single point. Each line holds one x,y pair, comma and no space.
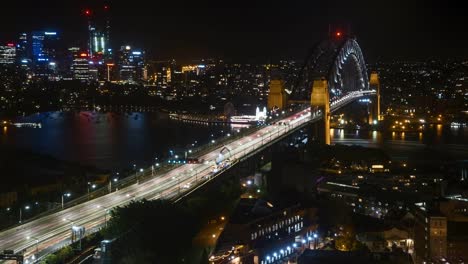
256,30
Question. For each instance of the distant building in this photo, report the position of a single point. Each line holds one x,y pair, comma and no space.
441,230
261,232
7,54
99,47
339,257
260,116
131,63
98,18
8,199
79,67
44,53
23,52
430,234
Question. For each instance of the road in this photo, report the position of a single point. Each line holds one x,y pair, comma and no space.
41,236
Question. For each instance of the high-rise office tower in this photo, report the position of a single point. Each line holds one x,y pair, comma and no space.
7,54
99,48
131,64
79,66
44,45
98,18
23,56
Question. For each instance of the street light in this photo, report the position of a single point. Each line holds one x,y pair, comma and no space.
315,240
138,176
110,183
21,213
89,184
63,195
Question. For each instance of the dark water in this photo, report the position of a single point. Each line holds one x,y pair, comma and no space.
115,141
450,140
107,140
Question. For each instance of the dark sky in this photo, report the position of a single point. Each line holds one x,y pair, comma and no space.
255,29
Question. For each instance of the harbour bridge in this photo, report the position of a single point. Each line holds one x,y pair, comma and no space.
333,75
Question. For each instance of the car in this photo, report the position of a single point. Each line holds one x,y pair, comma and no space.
186,186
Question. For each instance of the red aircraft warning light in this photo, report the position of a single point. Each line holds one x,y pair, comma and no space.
87,12
338,34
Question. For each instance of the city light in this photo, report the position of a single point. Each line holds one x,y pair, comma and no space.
138,87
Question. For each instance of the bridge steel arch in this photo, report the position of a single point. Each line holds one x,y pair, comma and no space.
333,68
336,69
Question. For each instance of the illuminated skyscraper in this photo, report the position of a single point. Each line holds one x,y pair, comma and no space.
22,49
99,48
7,54
44,53
98,18
131,64
80,64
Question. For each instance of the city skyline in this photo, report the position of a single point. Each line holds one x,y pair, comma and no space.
257,31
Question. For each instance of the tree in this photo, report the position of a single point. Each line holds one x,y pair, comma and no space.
151,232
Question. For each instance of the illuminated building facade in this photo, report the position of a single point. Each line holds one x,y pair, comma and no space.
99,48
7,54
22,50
44,46
131,64
79,67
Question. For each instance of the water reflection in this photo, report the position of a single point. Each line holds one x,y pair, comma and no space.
107,140
442,136
374,135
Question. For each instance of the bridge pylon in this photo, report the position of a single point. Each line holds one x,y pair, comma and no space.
374,84
320,98
277,98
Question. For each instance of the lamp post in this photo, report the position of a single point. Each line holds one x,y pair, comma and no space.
308,240
63,195
89,184
21,213
315,240
139,175
110,183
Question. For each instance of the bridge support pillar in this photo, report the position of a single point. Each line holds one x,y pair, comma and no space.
277,97
374,84
320,98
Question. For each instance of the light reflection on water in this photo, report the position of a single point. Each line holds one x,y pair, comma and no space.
107,140
439,136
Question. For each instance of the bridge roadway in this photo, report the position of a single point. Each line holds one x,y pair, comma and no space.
42,235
